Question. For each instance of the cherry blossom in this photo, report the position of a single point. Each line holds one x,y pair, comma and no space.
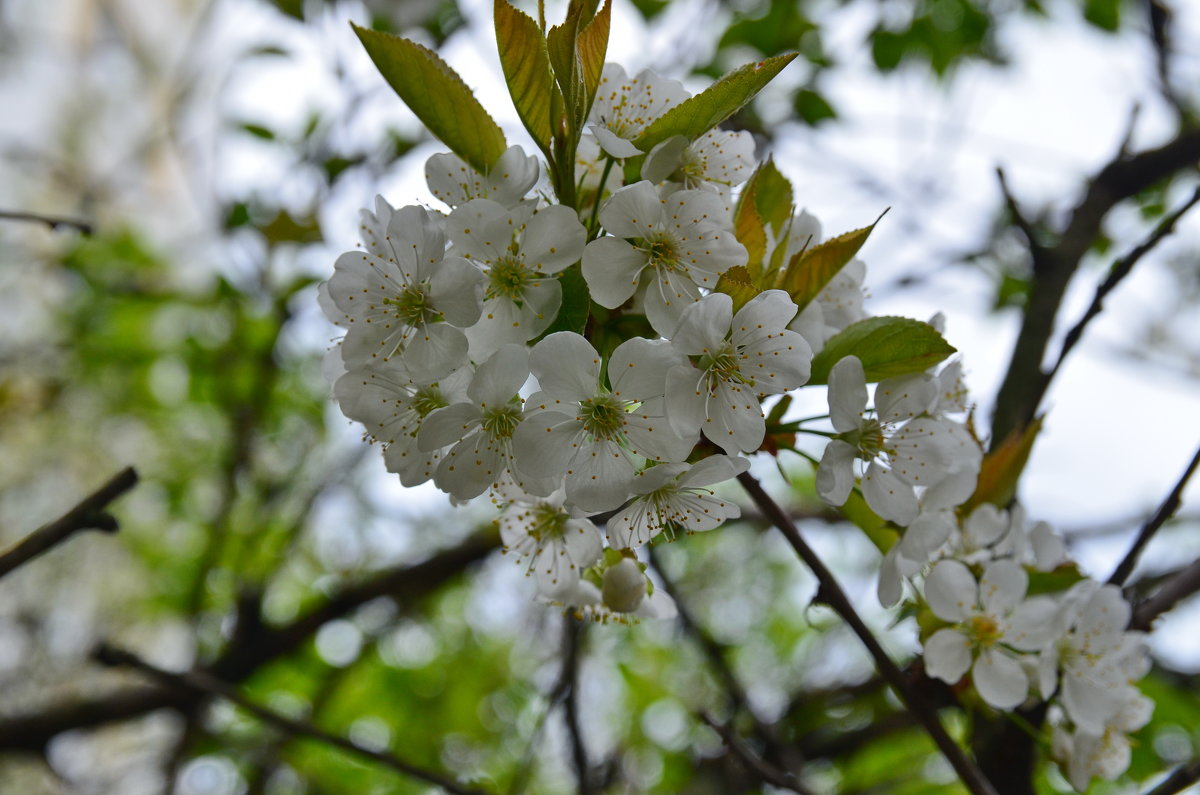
674,246
554,542
510,180
625,106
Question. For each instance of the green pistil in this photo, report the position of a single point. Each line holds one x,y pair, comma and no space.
722,365
428,399
868,440
412,306
602,417
500,423
661,251
508,278
548,523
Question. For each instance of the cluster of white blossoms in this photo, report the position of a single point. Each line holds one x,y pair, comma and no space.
598,429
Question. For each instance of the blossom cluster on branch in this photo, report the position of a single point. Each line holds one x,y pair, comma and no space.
598,341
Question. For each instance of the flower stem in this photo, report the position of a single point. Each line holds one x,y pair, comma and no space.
593,225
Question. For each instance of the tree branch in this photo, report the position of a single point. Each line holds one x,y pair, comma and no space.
831,593
52,221
1183,777
1120,269
33,731
203,683
765,772
573,635
1180,586
87,515
1020,393
1165,511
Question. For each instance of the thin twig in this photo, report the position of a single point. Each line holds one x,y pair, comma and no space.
1180,586
1183,777
1120,269
87,515
1019,220
201,682
831,593
52,221
1165,511
573,636
763,770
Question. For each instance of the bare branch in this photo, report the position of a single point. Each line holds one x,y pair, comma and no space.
573,636
1125,175
1165,511
87,515
206,684
759,767
1181,779
52,221
1179,587
1020,221
1120,269
831,593
33,731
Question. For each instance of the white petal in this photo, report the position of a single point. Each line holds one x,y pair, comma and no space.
456,290
544,443
612,144
611,268
768,312
950,590
985,526
553,239
947,655
638,368
735,420
703,325
888,495
685,400
447,426
480,230
501,377
835,474
1000,679
435,351
634,211
926,534
714,469
1002,586
1032,625
566,366
600,477
904,397
847,394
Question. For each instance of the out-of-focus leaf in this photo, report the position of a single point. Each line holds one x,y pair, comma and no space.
1104,14
257,130
812,107
592,46
283,228
438,96
699,114
811,269
887,346
526,64
882,533
773,196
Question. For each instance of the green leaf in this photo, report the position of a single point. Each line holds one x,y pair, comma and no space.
751,232
887,346
1002,468
738,285
258,131
592,46
1104,14
526,64
882,533
573,314
568,71
713,105
811,269
773,196
438,96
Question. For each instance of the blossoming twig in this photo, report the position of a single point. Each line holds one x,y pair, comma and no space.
832,594
1165,511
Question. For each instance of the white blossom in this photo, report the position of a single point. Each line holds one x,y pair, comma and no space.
675,496
589,432
509,181
1104,754
554,542
393,406
901,447
408,301
618,589
481,429
717,161
989,619
674,246
739,359
625,106
520,251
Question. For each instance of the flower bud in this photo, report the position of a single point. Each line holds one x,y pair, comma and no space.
624,586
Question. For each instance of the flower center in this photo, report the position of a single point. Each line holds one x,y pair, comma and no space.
602,416
661,251
412,306
547,523
983,631
723,365
868,439
508,277
427,399
499,423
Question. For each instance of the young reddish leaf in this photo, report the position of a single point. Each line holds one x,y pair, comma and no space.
592,46
887,347
526,63
696,116
811,269
438,96
773,196
1002,468
751,232
738,285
